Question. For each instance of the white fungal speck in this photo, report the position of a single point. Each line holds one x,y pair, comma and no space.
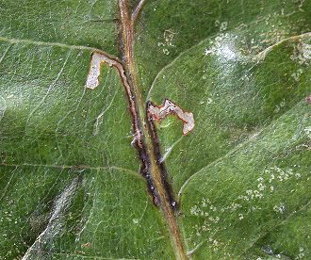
223,26
167,44
261,186
166,51
296,75
279,208
207,52
249,192
209,101
301,254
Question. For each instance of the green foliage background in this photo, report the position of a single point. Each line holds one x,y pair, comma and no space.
69,176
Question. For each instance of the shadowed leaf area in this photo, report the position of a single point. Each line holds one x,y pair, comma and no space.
69,176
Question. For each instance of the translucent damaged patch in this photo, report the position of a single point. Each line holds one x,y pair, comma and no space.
223,46
168,107
56,221
97,59
3,107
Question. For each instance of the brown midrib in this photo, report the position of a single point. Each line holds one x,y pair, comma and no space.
145,143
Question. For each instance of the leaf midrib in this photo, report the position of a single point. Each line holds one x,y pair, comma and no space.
78,47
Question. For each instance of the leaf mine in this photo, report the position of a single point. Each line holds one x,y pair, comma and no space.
169,107
97,59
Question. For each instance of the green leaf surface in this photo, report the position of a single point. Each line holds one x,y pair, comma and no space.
70,177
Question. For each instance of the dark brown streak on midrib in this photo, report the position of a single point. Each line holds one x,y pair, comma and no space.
157,152
146,140
135,97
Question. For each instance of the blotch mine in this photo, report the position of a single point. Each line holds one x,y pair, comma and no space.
97,60
160,112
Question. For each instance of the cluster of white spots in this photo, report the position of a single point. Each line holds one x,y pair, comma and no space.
208,51
302,53
231,208
214,219
7,216
279,106
135,221
212,216
202,209
296,75
207,210
168,36
207,230
280,175
224,48
265,185
213,244
300,4
196,211
307,130
222,25
275,30
209,101
256,193
276,175
301,254
280,208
